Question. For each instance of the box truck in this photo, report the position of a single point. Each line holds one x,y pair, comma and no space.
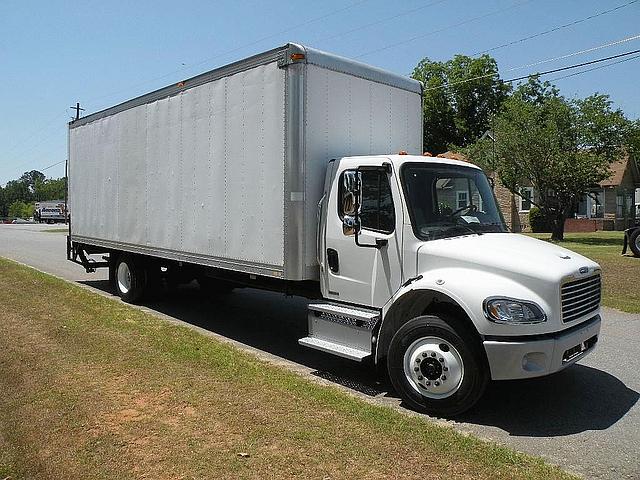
302,172
52,211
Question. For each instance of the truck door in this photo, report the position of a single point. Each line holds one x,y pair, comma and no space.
363,265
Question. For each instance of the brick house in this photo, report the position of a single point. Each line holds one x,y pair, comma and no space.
612,205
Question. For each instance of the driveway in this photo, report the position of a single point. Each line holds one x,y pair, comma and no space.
585,418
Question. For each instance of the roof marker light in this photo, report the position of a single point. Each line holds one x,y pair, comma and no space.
403,152
427,154
297,56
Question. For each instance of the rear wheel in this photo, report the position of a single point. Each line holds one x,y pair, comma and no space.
634,242
437,368
130,279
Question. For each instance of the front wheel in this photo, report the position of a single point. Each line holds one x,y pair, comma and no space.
436,368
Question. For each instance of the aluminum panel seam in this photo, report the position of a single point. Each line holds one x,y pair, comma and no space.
275,271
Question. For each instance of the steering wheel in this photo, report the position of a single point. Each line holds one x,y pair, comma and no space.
471,207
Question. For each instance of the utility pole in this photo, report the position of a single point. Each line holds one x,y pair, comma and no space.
78,110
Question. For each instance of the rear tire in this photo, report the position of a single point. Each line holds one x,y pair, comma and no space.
437,368
130,279
634,242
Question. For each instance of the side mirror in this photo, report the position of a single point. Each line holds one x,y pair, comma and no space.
350,226
350,189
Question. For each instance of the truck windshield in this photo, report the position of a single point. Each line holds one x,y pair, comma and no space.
449,200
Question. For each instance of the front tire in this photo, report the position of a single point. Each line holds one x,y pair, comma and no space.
437,366
130,279
634,242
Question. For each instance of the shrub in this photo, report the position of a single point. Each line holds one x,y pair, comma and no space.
539,223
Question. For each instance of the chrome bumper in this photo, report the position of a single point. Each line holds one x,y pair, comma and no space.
511,359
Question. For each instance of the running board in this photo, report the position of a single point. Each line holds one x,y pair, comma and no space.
343,331
335,348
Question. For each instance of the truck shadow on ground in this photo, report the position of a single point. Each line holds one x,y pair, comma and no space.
575,400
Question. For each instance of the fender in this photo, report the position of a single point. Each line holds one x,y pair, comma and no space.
457,292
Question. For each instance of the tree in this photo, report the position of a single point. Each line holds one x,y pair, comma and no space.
17,190
632,140
31,179
4,206
50,189
560,147
19,209
460,97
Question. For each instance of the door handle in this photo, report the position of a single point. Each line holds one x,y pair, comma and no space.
332,260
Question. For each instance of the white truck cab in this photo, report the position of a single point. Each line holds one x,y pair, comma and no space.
452,298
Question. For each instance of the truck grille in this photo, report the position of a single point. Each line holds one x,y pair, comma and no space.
580,297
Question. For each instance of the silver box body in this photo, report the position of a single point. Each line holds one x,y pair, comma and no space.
226,169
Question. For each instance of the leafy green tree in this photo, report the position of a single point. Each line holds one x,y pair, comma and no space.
560,147
19,209
460,97
4,206
31,179
632,140
50,189
17,190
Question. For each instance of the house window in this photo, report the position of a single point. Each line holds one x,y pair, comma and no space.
619,206
462,199
526,195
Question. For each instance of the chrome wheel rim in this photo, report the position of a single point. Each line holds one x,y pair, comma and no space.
637,242
433,367
124,278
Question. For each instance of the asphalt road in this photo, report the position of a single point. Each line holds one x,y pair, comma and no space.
586,418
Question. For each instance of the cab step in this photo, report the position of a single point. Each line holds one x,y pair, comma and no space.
341,330
334,348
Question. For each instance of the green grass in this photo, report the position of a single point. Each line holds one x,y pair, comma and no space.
92,388
620,273
56,230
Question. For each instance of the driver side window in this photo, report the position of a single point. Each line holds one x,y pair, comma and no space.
377,211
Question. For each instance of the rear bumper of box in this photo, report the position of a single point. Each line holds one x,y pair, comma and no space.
515,358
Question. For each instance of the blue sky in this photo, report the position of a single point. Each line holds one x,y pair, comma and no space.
54,53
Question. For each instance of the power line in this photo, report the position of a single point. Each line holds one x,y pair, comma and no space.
540,62
579,52
555,29
41,170
595,68
448,27
583,64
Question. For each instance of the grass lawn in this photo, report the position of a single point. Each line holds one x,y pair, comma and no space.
56,230
92,388
620,274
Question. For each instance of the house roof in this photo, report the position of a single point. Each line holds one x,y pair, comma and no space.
453,156
618,170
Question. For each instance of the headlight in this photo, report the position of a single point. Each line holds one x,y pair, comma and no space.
509,310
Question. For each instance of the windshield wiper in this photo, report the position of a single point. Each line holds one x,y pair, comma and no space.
465,227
